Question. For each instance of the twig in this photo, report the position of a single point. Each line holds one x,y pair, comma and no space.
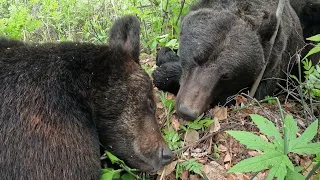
205,138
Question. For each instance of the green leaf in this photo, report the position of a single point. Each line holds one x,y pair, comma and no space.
278,170
306,137
295,175
252,141
312,148
315,38
112,157
127,176
258,163
109,174
292,128
267,127
314,50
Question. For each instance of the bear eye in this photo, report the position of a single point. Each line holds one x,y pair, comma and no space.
152,106
225,77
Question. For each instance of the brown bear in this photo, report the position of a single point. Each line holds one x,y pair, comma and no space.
223,46
60,101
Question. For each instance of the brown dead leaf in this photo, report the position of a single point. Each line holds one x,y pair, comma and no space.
185,175
221,113
231,177
241,100
175,124
170,96
222,148
159,105
227,158
254,153
191,136
214,171
215,127
168,169
194,177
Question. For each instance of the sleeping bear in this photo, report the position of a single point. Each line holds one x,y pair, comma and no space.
61,101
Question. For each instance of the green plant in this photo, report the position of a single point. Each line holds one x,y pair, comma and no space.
191,165
275,156
110,173
311,85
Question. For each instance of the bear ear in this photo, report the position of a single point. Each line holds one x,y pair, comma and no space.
268,26
125,34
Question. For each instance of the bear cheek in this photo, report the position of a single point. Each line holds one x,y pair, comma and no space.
196,92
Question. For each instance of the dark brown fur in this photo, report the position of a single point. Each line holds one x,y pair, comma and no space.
58,100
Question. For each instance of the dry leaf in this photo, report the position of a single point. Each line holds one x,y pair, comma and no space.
214,171
227,158
222,148
231,177
159,105
221,113
170,96
168,169
185,175
254,153
191,136
215,127
194,177
175,124
240,100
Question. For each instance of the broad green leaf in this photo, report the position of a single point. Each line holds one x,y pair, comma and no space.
267,127
314,50
127,176
257,163
315,38
278,170
295,175
306,137
252,141
312,148
291,126
107,176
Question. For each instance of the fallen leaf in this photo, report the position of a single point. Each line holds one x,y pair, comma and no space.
231,177
175,124
159,105
254,153
240,100
191,136
215,127
168,169
214,171
170,96
185,175
222,148
221,113
194,177
227,158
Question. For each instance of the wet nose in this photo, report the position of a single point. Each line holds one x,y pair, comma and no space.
167,156
186,112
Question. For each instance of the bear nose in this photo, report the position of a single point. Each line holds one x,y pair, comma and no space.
185,112
167,156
